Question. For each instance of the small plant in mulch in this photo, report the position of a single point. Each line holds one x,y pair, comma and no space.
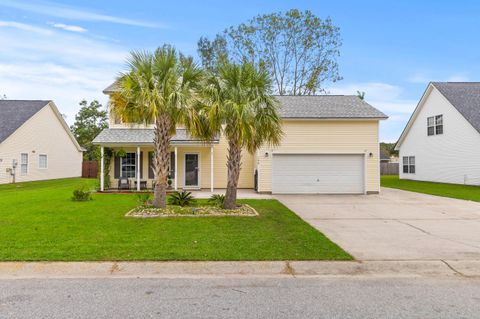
217,199
82,194
144,199
182,199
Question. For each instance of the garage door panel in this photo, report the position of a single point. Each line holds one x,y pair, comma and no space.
317,174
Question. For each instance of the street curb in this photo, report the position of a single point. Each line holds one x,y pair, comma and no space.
222,269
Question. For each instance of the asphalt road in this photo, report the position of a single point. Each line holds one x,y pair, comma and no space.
241,298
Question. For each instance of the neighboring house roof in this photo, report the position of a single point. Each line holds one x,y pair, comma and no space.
326,107
464,96
135,136
317,106
112,88
13,113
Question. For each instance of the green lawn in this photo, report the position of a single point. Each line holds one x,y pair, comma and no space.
439,189
38,221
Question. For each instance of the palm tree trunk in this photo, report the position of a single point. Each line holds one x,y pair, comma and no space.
234,163
162,144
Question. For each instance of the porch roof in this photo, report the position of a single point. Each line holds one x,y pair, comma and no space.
131,136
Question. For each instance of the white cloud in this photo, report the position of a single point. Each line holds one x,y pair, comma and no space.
65,67
426,77
74,13
24,27
387,98
458,78
67,27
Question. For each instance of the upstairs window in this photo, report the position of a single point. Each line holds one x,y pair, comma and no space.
435,125
409,164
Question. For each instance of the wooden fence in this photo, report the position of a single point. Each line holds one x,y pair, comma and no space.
389,168
89,169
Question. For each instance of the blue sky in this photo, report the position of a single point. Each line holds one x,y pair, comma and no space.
70,50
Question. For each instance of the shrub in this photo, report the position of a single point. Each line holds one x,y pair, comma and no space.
144,199
217,199
181,198
82,194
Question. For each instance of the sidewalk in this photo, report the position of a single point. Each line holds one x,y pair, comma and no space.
431,268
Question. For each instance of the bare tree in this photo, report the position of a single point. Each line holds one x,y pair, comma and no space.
298,49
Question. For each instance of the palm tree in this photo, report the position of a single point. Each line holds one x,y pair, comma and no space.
238,103
158,88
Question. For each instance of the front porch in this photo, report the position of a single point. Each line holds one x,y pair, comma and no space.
191,167
191,161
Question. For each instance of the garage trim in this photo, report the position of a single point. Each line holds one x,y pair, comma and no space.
364,154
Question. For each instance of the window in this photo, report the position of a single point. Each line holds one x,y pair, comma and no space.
435,125
409,164
127,165
42,161
439,124
24,163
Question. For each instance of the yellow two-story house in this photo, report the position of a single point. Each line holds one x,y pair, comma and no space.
330,146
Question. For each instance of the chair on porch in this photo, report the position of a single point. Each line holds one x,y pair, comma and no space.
123,183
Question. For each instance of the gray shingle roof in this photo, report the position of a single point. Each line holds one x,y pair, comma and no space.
316,106
13,113
465,97
326,106
141,136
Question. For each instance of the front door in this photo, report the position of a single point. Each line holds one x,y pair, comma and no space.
191,170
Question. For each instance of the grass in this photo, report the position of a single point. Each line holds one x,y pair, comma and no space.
440,189
39,221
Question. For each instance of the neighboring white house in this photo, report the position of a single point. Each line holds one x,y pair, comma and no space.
36,143
441,140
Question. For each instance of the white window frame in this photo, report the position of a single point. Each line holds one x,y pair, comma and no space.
46,161
409,162
135,165
22,164
434,122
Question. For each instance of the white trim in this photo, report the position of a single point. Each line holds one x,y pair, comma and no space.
137,166
185,170
211,168
365,180
176,168
46,156
414,115
379,170
102,174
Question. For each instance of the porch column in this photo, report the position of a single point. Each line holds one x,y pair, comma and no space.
138,168
102,175
211,168
176,168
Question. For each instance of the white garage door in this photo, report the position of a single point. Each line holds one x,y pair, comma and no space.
318,174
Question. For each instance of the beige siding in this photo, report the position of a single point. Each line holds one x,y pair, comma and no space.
325,137
41,134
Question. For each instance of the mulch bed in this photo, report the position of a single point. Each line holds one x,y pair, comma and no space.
200,211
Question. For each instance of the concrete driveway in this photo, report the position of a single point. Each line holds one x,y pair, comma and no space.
394,225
